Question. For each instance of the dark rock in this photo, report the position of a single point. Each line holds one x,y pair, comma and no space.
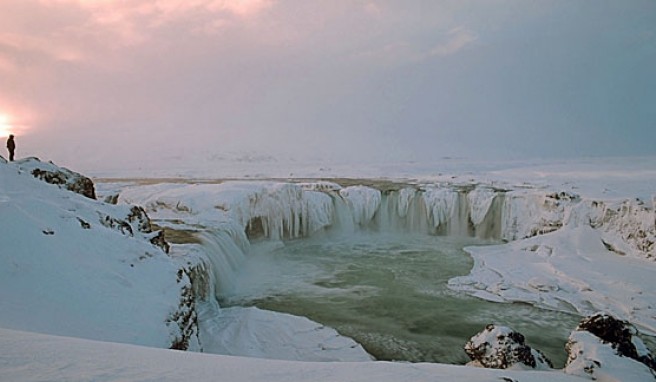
159,240
136,221
196,286
117,224
564,196
138,215
621,335
112,199
499,347
59,176
67,179
84,224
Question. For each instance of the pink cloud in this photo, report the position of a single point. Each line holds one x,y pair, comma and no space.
30,46
134,22
242,8
457,39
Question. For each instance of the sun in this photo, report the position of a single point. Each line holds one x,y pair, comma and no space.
5,126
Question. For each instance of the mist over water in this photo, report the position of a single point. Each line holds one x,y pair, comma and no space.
389,292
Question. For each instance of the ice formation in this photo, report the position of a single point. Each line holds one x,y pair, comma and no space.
531,220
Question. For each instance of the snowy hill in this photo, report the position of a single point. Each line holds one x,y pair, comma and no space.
73,266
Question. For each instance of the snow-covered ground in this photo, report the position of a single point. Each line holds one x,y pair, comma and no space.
580,238
37,357
73,266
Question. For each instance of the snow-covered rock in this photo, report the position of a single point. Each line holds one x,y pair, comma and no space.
71,265
134,221
59,176
499,347
605,348
629,226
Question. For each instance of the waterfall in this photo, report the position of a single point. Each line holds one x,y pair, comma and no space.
491,227
226,250
404,210
290,211
344,221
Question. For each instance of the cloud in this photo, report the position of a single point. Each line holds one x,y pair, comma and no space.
24,44
396,52
136,22
373,9
347,77
456,40
24,53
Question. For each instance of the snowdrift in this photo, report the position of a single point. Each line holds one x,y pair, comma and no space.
73,266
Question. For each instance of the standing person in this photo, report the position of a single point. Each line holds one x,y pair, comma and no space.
11,146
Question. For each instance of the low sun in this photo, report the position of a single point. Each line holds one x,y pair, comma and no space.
5,127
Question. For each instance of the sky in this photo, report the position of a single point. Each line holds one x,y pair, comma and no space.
101,83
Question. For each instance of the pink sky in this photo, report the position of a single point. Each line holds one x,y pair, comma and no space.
86,81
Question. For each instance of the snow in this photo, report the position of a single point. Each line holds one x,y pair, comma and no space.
58,277
37,357
594,359
570,270
580,238
253,332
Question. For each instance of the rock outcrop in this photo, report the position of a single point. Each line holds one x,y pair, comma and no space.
632,220
81,252
603,346
136,220
197,286
59,176
499,347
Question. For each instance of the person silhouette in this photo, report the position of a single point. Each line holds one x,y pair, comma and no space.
11,146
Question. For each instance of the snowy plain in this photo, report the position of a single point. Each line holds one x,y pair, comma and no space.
570,268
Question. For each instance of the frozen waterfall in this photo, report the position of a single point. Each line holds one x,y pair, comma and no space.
290,211
232,214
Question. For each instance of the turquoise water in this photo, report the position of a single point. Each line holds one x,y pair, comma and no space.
389,292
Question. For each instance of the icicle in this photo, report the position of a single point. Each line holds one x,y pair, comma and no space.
363,202
441,205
